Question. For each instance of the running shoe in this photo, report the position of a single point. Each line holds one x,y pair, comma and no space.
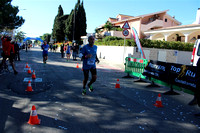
15,72
84,92
90,88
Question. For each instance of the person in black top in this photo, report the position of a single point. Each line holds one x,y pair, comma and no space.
16,47
62,49
26,45
75,51
51,47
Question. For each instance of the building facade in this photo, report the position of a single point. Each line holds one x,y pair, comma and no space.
184,33
141,23
156,26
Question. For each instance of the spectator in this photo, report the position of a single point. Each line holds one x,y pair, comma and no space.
54,47
62,50
51,47
26,45
16,47
8,52
75,51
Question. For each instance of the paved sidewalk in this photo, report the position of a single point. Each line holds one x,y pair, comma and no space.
112,64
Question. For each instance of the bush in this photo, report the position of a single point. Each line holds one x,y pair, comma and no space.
111,38
116,41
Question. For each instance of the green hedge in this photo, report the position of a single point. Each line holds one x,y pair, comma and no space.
116,41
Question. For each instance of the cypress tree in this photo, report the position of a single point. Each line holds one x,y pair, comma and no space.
69,26
83,25
77,21
59,26
76,27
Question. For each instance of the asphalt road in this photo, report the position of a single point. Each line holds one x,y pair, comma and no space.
63,109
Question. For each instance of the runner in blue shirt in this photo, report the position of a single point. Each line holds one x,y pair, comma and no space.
89,57
45,48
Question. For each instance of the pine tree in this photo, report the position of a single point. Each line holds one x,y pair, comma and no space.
8,16
20,36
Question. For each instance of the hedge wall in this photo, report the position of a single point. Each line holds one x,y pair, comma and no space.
116,41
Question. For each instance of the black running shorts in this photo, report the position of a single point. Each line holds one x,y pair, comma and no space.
86,72
45,54
11,57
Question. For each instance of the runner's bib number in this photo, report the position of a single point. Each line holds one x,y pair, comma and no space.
46,49
91,62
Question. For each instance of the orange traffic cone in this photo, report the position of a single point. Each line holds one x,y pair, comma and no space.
117,84
29,70
77,66
33,120
158,101
29,87
27,65
33,75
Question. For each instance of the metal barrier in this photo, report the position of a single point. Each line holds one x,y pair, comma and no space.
135,66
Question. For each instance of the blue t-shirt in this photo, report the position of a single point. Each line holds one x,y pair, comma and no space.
89,63
45,48
68,50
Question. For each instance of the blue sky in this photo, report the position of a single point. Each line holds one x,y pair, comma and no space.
39,14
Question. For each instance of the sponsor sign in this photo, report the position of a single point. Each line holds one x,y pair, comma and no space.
157,70
176,74
183,75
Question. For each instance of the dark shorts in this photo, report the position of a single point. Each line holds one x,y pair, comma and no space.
11,57
86,72
45,54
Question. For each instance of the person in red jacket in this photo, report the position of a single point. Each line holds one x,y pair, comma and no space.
8,52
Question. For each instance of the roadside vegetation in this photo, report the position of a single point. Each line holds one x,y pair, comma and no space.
116,41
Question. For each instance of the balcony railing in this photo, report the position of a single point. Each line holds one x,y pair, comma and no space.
155,24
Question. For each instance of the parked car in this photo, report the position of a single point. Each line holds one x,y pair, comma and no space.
195,53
